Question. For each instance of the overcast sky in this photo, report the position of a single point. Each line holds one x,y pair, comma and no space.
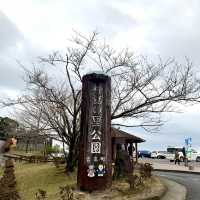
152,27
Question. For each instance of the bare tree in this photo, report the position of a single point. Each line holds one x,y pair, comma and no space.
141,90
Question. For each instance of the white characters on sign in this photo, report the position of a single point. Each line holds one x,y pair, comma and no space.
96,137
94,132
96,120
98,100
97,110
96,147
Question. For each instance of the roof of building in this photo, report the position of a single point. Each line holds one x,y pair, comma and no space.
122,135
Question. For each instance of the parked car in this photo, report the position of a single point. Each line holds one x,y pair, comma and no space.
158,154
198,159
144,153
193,155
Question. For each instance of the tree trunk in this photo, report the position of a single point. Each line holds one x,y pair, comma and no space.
27,144
71,159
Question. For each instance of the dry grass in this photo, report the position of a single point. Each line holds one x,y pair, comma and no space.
1,172
22,152
151,190
31,177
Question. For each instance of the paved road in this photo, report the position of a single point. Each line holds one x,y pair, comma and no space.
190,181
165,161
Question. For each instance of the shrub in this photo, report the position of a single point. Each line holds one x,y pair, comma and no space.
41,195
49,149
146,170
66,193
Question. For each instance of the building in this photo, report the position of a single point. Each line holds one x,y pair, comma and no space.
129,141
36,142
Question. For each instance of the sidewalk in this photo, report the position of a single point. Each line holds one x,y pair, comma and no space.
175,191
172,167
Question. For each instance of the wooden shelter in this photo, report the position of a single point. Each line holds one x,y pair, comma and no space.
129,141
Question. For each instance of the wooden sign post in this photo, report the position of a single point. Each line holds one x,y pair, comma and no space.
95,164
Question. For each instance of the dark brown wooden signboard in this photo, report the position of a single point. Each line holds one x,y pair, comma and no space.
95,165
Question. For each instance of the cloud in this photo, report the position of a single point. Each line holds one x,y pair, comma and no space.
108,19
10,40
166,28
173,29
9,34
14,48
177,128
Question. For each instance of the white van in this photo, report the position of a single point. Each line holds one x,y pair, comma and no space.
170,155
191,155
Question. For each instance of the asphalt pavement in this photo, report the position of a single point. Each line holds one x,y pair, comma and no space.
190,181
166,161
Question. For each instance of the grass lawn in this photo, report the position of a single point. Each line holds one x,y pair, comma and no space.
31,177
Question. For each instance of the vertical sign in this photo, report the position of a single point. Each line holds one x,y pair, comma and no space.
188,143
95,167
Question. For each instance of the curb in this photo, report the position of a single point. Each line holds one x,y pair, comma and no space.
164,192
175,191
176,171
